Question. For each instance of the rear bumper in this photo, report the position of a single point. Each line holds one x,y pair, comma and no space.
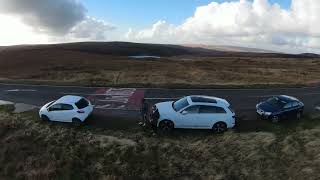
236,123
85,117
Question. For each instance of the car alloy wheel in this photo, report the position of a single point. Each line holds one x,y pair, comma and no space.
45,118
76,122
275,119
166,126
219,127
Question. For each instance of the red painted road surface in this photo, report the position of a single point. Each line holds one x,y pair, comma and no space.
117,98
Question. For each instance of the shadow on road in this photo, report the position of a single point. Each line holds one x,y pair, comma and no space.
112,122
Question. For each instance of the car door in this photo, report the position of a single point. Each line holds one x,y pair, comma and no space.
288,111
291,110
68,112
188,117
209,115
61,112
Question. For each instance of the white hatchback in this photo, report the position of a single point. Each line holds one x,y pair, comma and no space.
194,112
74,109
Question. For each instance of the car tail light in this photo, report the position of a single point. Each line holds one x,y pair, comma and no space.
80,112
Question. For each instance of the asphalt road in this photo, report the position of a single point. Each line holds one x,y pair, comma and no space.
243,101
125,103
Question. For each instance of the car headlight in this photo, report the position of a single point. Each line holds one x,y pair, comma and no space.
267,113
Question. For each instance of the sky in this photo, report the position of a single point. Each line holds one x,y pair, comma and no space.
281,25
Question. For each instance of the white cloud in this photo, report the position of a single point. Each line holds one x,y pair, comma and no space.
45,21
161,30
91,28
15,32
256,23
52,17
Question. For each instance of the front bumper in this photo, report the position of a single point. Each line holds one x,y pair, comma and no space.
263,117
261,114
148,115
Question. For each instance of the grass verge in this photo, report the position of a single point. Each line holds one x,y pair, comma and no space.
31,149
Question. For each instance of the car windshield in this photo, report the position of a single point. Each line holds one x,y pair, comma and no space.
50,104
276,102
180,104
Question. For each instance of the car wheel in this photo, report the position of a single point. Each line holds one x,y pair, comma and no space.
275,119
219,127
76,122
166,126
299,114
45,118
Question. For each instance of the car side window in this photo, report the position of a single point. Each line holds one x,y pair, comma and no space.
295,104
67,107
192,110
56,107
212,109
288,106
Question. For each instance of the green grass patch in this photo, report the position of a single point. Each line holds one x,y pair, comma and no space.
32,149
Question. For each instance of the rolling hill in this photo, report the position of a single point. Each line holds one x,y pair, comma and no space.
162,50
112,64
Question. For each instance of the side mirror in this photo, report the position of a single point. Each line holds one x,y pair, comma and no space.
184,112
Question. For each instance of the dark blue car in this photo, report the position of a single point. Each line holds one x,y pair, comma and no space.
280,107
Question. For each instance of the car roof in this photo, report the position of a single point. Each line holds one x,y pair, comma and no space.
207,100
287,98
68,99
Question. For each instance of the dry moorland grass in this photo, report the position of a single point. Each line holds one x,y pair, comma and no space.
30,149
75,67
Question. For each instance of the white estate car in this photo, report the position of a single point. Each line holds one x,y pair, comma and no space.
74,109
194,112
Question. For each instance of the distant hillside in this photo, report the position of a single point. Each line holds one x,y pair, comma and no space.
163,50
311,55
230,48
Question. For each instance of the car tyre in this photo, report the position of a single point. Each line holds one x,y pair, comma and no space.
275,119
166,127
219,127
299,114
45,118
76,122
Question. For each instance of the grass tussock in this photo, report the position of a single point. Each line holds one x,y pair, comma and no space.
31,149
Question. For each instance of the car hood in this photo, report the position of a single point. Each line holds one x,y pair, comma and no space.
165,108
266,107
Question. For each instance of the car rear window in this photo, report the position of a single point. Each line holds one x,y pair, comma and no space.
82,103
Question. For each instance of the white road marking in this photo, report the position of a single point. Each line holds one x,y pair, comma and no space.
85,94
264,96
115,99
122,109
305,94
21,90
162,98
217,89
311,94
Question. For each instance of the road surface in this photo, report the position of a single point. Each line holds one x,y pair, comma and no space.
126,102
